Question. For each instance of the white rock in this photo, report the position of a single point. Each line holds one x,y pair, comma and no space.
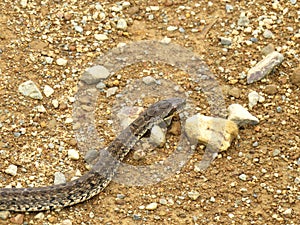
59,178
48,90
157,136
152,206
254,98
49,60
94,74
11,170
61,62
4,215
55,103
149,80
39,216
216,132
68,120
29,89
122,24
287,212
41,108
23,3
166,40
243,177
66,222
111,91
172,28
73,154
100,37
193,195
241,116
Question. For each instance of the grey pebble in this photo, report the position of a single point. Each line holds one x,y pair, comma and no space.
137,216
90,156
121,196
268,34
229,8
293,2
29,89
225,41
255,144
94,74
278,109
59,178
243,21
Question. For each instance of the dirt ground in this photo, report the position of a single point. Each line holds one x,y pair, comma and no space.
35,34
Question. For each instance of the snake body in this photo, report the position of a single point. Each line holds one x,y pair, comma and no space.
94,181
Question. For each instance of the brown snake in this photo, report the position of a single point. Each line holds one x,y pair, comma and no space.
94,181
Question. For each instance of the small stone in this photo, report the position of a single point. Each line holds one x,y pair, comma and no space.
152,206
100,37
73,154
4,215
241,116
293,2
122,24
61,62
18,219
111,91
255,144
29,89
137,216
39,216
157,136
193,195
235,92
163,201
59,178
68,120
287,212
253,98
100,86
41,108
276,152
90,156
23,3
11,170
49,60
295,78
229,8
94,74
172,28
79,29
278,109
66,222
149,80
55,103
48,90
243,177
268,34
264,67
243,21
268,49
271,89
225,41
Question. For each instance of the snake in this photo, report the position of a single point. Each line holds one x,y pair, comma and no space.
34,199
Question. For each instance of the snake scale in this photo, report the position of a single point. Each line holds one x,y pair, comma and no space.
94,181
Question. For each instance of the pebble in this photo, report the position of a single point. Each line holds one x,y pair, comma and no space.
18,219
264,67
151,206
149,80
157,136
193,195
268,34
137,216
11,170
61,62
243,21
68,120
276,152
163,201
243,177
79,29
100,37
172,28
253,98
94,74
73,154
229,8
49,60
55,103
111,91
59,178
48,90
39,216
225,41
66,222
122,24
255,144
278,109
295,78
268,49
90,156
293,2
238,114
29,89
4,214
287,212
271,89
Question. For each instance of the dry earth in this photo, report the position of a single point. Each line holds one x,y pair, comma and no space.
32,33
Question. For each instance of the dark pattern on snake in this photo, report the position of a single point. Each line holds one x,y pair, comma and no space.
94,181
